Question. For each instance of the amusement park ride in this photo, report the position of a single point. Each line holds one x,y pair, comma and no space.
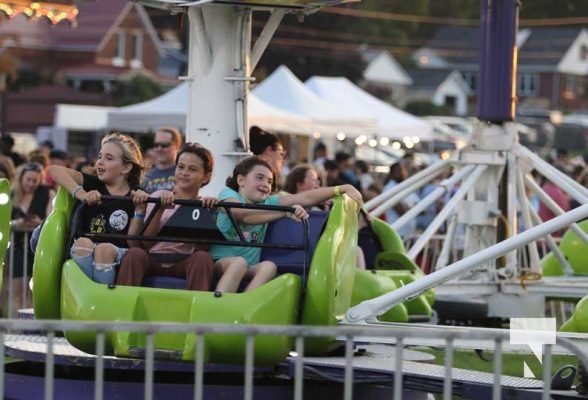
491,182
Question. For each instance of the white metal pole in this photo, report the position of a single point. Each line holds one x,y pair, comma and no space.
426,175
448,209
573,188
213,79
370,309
524,204
432,197
553,206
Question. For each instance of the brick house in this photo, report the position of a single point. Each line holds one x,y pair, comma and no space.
112,39
552,63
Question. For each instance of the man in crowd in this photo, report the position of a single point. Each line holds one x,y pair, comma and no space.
166,145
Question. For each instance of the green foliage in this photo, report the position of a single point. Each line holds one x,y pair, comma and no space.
426,107
135,89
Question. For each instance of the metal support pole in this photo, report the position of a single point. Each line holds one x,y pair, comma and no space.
370,309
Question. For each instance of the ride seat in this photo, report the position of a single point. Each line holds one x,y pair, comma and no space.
288,231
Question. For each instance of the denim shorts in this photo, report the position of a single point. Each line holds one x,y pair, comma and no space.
100,273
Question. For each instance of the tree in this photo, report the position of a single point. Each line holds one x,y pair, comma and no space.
135,89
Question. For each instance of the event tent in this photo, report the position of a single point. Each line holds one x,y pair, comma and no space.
347,97
284,90
171,109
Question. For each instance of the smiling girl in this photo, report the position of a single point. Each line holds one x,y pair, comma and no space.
193,170
118,173
251,183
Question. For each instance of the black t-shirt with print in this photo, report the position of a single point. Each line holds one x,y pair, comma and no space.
111,216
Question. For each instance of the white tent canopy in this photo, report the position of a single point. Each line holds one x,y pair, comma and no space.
347,97
171,109
284,90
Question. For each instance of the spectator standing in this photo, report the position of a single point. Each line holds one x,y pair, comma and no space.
269,148
318,160
363,173
396,175
558,196
32,201
166,145
346,173
6,145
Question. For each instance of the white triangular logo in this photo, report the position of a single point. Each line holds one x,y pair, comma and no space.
527,371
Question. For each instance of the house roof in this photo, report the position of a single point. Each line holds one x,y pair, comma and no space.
384,68
547,46
95,18
459,45
456,44
427,79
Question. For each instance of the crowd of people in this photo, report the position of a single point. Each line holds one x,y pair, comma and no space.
177,170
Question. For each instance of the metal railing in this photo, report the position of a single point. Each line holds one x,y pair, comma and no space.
397,374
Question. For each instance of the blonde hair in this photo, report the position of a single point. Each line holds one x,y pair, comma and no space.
17,193
131,153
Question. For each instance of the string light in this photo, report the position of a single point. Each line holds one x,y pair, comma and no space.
54,12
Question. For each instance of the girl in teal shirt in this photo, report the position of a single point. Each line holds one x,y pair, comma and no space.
251,183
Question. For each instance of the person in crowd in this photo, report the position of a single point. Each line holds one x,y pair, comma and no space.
31,203
251,183
331,173
318,160
39,157
397,174
362,172
7,168
166,145
193,170
346,174
409,163
6,146
46,147
118,173
269,148
558,196
56,157
562,161
303,178
372,191
319,154
429,213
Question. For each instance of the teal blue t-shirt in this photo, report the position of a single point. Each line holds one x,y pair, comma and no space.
252,233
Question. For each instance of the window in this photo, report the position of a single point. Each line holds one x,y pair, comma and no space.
138,46
137,59
120,45
583,52
471,78
119,58
528,84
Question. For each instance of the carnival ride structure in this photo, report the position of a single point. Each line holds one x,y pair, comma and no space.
490,179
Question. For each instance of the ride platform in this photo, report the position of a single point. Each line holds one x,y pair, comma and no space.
374,369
